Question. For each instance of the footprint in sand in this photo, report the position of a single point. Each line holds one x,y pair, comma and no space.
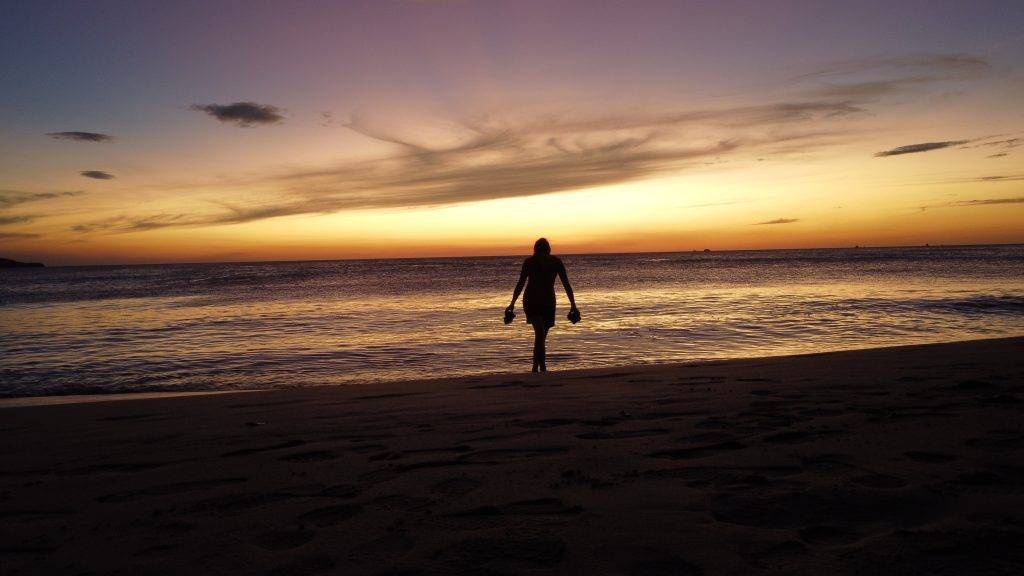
231,504
400,502
830,535
313,564
112,468
456,486
314,456
258,449
504,555
283,539
330,515
385,396
131,417
168,489
698,451
621,434
340,491
670,566
929,457
537,507
547,423
879,481
799,436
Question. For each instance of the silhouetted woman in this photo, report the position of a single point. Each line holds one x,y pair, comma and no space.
538,276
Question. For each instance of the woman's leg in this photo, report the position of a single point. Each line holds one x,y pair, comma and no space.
540,332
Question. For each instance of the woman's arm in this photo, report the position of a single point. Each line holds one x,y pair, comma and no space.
519,287
568,287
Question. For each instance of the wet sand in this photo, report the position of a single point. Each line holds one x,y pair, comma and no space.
890,461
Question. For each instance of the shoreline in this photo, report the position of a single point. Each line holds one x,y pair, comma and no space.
62,399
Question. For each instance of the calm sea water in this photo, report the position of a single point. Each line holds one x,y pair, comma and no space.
258,325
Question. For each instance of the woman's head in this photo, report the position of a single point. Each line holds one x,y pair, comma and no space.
541,247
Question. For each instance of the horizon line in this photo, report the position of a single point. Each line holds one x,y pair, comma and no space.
481,256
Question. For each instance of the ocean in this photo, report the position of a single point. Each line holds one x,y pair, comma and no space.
187,327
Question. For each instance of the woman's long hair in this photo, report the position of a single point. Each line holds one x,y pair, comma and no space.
541,247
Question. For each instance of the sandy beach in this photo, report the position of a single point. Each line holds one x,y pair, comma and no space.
890,461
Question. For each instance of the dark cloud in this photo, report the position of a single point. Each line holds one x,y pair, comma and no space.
1001,178
990,201
81,136
10,198
923,147
1000,155
97,174
244,114
21,219
17,235
778,221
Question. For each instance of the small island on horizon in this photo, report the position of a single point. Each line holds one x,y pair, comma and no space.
8,263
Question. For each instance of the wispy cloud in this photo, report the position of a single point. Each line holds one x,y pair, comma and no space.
990,201
124,224
1000,178
946,65
500,158
10,198
1008,143
922,147
713,204
81,136
874,78
976,202
777,221
244,114
19,219
97,174
992,178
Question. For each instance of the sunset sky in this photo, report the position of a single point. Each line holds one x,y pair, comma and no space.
215,130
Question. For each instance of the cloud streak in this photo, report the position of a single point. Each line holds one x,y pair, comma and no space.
495,158
21,219
9,198
990,201
97,174
12,198
243,114
938,65
874,78
81,136
918,148
777,221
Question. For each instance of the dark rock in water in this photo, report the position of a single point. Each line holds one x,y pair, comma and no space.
6,263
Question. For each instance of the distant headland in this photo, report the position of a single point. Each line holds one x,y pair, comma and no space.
7,263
